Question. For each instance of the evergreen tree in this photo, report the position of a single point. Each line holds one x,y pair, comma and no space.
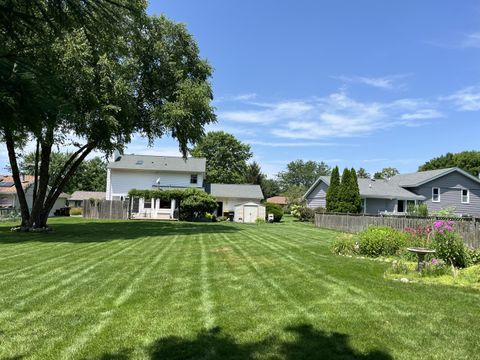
356,199
333,191
345,193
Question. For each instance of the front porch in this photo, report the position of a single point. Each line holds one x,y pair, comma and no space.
157,209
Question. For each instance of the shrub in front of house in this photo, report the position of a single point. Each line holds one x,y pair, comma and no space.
344,244
381,241
420,210
274,209
76,211
449,245
195,204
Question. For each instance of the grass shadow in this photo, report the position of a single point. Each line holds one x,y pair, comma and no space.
309,343
85,231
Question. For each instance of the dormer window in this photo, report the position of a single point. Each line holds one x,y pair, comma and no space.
435,194
193,179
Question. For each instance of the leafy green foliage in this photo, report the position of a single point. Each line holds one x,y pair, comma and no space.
448,212
302,174
419,210
91,175
332,199
465,160
381,241
270,188
226,157
363,174
253,174
294,194
344,244
274,209
348,195
195,203
386,173
76,211
449,245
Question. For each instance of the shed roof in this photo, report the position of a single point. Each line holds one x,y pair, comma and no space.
159,163
86,195
242,191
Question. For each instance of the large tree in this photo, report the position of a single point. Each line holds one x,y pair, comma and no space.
270,188
301,173
362,173
91,175
465,160
226,157
92,74
253,174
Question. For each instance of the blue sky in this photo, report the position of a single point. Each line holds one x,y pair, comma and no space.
355,83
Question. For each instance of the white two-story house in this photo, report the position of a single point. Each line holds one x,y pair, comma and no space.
147,172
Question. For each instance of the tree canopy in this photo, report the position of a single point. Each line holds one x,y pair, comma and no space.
302,174
226,157
363,174
386,173
91,75
254,174
91,175
465,160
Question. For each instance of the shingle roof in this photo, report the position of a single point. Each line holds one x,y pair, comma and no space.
380,189
8,180
280,200
85,195
243,191
159,163
422,177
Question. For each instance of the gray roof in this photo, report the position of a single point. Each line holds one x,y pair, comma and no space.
159,163
85,195
379,189
422,177
242,191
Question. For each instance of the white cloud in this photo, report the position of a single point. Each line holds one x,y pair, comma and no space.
467,99
422,114
235,98
471,40
385,82
273,112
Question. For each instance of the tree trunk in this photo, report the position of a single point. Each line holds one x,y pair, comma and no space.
35,172
16,179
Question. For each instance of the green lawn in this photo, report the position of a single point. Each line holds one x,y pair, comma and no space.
158,290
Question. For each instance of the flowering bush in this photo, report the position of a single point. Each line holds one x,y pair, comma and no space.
449,245
381,241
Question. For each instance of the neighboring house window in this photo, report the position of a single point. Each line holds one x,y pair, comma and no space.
465,196
436,194
193,179
147,204
400,206
165,204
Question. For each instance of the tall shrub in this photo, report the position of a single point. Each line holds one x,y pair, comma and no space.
449,245
333,191
356,199
274,209
345,193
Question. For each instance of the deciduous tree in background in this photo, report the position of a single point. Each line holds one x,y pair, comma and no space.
386,173
363,174
91,74
302,174
226,157
465,160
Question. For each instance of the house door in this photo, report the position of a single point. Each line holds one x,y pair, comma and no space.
250,214
219,208
401,206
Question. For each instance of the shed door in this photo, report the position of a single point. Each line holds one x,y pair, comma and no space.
250,214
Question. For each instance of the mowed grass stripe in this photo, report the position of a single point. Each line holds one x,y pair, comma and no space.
206,302
75,270
125,294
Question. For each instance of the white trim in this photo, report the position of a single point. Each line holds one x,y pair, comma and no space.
468,196
439,196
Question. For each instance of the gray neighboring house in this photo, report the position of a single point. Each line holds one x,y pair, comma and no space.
439,189
78,197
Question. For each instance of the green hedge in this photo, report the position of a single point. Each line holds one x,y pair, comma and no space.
274,209
381,241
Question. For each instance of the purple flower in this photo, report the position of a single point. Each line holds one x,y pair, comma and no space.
434,261
438,224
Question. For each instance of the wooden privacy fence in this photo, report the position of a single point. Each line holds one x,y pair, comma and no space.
468,228
105,209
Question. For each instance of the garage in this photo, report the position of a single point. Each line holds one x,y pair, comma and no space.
249,212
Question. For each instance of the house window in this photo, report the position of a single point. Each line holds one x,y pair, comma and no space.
165,204
435,194
147,204
400,206
193,179
465,196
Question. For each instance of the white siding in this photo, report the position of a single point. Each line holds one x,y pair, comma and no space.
230,203
122,181
61,202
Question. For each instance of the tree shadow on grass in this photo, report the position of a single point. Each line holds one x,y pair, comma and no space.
102,231
309,343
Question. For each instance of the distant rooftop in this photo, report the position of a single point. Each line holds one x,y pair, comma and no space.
86,195
159,163
242,191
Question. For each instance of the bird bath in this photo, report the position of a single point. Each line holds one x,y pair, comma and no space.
421,252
